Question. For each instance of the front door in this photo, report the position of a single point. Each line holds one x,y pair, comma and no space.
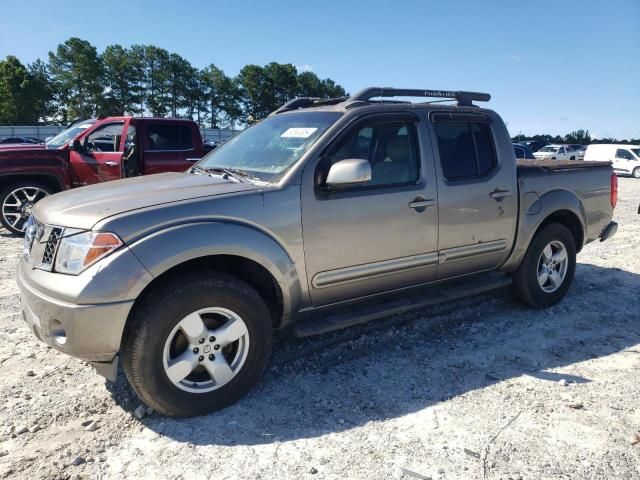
623,161
477,197
100,156
373,237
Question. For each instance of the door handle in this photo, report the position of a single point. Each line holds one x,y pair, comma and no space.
111,163
192,160
498,194
419,204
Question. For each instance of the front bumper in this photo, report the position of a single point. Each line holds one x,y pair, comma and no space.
90,332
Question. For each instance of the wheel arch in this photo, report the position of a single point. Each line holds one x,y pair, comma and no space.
238,250
556,206
47,179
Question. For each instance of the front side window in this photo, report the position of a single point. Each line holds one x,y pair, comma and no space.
105,138
270,147
549,150
466,149
519,152
624,154
390,147
169,137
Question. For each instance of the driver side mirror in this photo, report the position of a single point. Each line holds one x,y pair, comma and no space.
76,146
348,173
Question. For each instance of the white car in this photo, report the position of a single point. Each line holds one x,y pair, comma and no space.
555,152
625,158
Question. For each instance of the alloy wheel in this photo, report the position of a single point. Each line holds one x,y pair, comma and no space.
17,206
206,350
552,266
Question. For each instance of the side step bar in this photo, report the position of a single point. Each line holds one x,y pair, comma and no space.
343,317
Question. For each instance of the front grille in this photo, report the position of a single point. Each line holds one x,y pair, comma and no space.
41,244
51,246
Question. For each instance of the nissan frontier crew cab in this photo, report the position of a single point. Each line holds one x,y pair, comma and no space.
92,151
326,214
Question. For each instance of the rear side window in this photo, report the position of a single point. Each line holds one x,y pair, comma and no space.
519,152
466,149
169,137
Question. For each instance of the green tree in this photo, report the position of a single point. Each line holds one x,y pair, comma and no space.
156,78
41,91
17,85
578,136
122,89
258,98
76,70
223,97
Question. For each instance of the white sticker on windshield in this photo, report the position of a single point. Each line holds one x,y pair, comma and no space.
298,132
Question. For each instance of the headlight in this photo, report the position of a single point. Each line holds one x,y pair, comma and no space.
78,251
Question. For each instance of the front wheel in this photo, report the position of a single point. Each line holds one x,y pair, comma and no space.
545,274
197,344
17,200
636,172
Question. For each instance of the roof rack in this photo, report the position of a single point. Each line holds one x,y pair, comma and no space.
306,102
464,99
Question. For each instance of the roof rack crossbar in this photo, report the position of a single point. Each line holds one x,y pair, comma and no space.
464,99
306,102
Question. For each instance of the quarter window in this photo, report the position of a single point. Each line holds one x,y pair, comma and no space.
466,149
169,137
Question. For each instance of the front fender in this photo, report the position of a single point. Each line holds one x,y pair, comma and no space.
168,248
534,210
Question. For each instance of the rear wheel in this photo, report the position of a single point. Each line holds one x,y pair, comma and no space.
547,269
197,344
17,200
636,172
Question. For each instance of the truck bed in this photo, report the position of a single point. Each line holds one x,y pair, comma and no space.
524,165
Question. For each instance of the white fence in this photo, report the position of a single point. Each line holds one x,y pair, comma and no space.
42,132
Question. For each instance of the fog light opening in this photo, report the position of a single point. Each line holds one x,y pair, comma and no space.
58,332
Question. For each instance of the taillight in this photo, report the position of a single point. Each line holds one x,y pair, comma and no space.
614,190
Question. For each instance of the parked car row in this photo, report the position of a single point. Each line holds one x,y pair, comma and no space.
20,140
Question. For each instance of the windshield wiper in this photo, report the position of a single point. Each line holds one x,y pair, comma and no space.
238,175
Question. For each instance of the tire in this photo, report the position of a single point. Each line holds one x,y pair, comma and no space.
16,202
636,172
155,344
527,284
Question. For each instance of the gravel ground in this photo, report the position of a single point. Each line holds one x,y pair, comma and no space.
484,388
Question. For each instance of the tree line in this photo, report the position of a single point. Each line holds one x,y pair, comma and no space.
581,137
79,82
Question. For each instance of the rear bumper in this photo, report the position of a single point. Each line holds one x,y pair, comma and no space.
609,231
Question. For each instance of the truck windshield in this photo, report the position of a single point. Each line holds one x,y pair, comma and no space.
549,149
266,150
68,134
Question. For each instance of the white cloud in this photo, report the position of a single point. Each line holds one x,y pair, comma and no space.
305,67
514,58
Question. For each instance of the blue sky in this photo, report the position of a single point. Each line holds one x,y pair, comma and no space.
551,66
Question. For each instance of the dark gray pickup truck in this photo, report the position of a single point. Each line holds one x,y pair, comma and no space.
326,214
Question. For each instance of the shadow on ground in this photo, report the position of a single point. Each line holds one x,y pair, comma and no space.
406,363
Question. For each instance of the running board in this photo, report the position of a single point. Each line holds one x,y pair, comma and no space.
343,317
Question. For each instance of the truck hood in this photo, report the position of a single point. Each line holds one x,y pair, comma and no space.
7,147
84,207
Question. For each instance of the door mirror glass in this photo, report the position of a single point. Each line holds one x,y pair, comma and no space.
349,172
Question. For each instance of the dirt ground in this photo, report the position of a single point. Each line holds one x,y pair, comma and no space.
481,389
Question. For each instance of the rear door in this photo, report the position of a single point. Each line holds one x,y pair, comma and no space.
167,146
100,156
376,236
477,201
